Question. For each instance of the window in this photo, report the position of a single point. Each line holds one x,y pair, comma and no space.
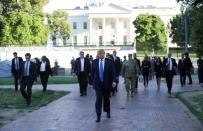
125,25
74,25
85,40
112,25
75,40
100,40
100,26
125,39
85,25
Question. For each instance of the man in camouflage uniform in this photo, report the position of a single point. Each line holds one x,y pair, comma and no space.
130,70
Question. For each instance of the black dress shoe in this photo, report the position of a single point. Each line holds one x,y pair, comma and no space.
98,118
81,94
108,115
28,101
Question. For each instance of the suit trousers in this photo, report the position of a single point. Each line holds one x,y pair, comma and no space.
26,83
44,80
16,78
169,80
83,82
102,97
146,77
136,82
189,77
182,78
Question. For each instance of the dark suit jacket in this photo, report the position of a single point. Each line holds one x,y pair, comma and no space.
109,74
117,64
32,71
86,66
173,63
48,70
181,66
13,70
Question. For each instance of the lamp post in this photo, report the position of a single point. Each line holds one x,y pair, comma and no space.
184,13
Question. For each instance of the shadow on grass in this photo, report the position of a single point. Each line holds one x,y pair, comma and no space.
194,103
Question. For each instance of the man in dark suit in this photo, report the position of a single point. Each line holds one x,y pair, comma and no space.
189,66
27,77
103,79
117,64
82,70
44,72
139,65
182,70
170,70
15,68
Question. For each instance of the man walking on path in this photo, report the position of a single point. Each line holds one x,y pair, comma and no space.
182,70
27,77
103,79
117,64
139,65
82,70
15,68
130,71
189,67
170,67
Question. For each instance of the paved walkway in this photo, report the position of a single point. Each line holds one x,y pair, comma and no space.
149,110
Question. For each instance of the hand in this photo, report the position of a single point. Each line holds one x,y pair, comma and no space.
114,84
18,81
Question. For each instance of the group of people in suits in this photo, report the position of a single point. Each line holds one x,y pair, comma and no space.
104,71
26,72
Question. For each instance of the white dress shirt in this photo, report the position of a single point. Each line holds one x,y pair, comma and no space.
43,67
82,62
16,63
171,64
27,73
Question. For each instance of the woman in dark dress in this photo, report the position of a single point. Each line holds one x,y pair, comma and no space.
158,71
200,71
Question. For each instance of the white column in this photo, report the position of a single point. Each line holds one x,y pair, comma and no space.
117,31
104,31
131,31
91,32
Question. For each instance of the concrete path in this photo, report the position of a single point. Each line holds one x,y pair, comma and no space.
149,110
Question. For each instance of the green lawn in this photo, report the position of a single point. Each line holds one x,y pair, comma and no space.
12,104
194,102
52,80
12,99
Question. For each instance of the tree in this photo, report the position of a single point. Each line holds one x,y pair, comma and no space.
177,30
58,25
195,8
150,32
22,22
196,31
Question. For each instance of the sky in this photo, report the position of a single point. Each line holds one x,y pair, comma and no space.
68,4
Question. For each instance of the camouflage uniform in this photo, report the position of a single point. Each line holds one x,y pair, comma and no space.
130,71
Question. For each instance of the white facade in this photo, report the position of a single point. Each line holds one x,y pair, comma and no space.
110,24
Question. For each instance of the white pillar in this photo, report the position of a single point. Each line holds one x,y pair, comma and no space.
104,31
91,32
117,31
131,31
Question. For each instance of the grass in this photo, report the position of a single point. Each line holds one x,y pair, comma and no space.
14,100
52,80
194,103
12,104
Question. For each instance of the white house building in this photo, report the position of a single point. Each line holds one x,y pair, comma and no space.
106,24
